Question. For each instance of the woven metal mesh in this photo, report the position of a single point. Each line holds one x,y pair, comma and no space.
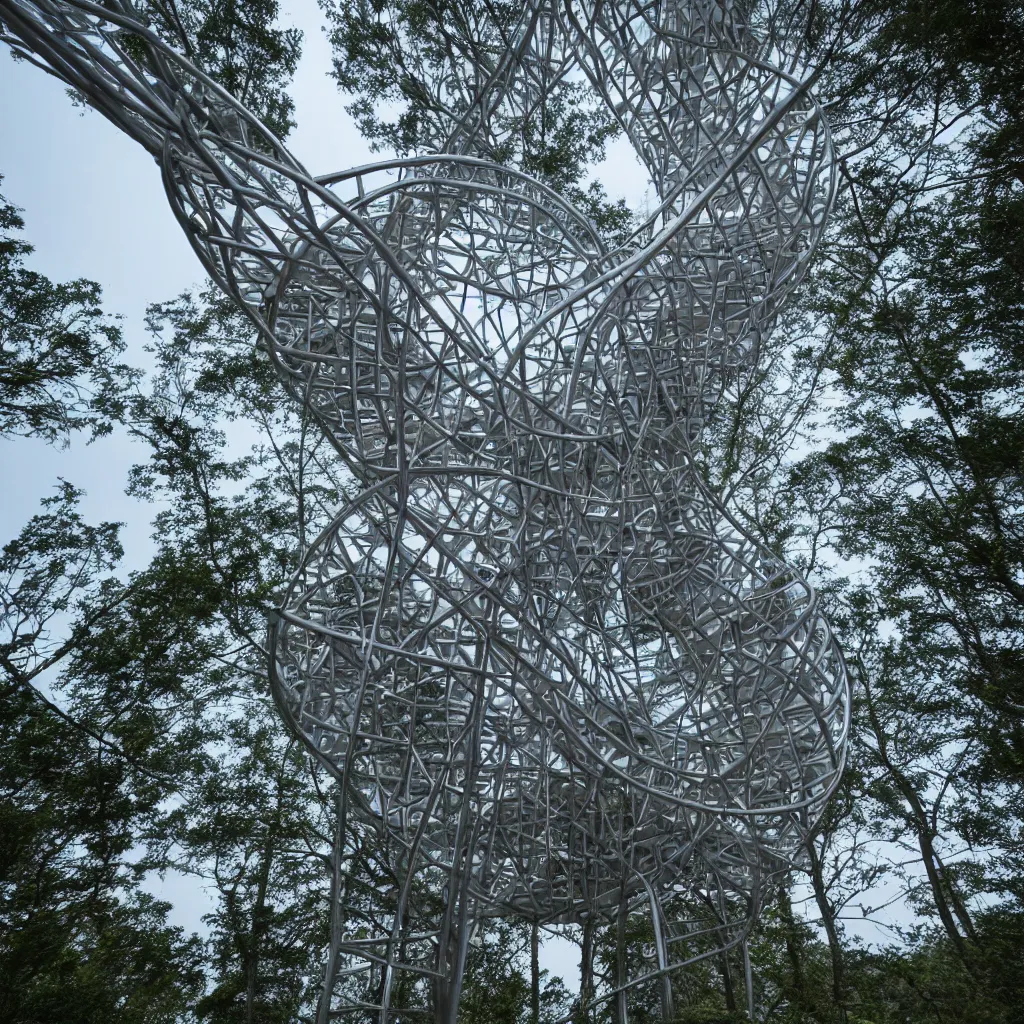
553,677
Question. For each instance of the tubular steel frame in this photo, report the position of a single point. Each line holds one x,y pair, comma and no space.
552,676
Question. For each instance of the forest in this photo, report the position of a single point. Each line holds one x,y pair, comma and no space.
878,446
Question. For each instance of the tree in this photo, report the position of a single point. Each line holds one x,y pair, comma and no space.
911,494
58,352
80,940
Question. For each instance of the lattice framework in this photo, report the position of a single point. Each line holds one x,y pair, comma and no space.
553,677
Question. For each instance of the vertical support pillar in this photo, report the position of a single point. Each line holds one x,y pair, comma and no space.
748,976
621,1011
323,1010
668,1012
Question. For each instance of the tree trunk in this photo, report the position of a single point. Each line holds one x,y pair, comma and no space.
948,904
258,925
828,922
587,970
793,951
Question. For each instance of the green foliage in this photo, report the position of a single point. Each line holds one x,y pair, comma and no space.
58,351
78,941
918,486
710,1013
496,989
402,57
139,734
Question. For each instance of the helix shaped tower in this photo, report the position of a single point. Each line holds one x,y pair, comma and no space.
553,678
